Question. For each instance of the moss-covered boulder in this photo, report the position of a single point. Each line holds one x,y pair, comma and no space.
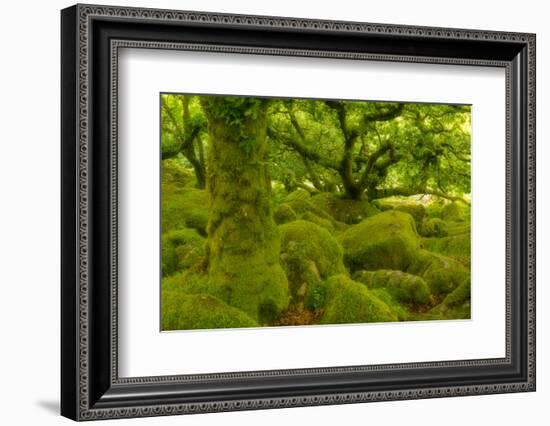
181,248
403,287
309,253
299,194
186,281
184,207
405,205
397,309
181,311
443,274
385,241
174,172
459,295
344,209
284,214
255,297
459,228
302,206
323,223
457,304
453,211
416,210
457,247
433,227
350,302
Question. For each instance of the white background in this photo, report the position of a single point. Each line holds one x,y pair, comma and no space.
29,229
146,352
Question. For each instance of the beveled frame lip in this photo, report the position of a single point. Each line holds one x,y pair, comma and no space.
91,388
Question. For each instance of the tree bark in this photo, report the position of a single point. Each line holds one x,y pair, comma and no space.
243,241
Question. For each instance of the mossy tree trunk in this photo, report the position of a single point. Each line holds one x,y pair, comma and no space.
243,242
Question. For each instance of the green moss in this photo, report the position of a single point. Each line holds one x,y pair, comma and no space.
182,311
350,302
444,311
302,206
189,282
385,241
343,209
257,288
442,273
433,209
417,211
433,227
284,213
174,172
458,228
181,248
299,194
453,211
402,204
184,207
398,310
457,247
403,287
243,241
249,294
323,223
459,295
309,253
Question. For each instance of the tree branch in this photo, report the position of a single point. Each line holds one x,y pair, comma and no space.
303,150
407,192
384,114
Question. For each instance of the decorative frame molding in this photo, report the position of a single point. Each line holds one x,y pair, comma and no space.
91,388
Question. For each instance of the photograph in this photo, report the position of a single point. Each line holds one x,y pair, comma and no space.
300,212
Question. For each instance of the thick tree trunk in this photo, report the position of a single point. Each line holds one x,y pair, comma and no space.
243,242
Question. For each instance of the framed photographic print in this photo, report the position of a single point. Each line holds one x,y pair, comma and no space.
263,212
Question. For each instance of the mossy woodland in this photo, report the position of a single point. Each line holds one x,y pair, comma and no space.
296,212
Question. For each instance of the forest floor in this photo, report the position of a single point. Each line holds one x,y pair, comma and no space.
395,259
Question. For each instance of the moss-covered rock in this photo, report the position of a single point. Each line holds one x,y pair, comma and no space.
442,273
458,228
299,194
459,295
453,211
385,241
181,248
457,247
433,227
174,172
309,253
344,209
181,311
323,223
284,213
397,309
405,205
261,302
350,302
302,206
416,210
187,281
403,287
434,207
457,304
184,207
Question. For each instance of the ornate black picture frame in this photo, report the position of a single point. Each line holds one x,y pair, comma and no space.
91,388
